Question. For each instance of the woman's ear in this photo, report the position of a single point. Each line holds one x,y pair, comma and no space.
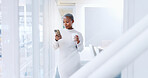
72,21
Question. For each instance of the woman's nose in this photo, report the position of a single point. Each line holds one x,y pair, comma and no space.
65,24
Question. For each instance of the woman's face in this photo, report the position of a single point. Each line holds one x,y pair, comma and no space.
67,22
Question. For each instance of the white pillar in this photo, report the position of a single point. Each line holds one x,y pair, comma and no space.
128,22
46,37
10,39
129,11
52,16
36,38
124,57
112,49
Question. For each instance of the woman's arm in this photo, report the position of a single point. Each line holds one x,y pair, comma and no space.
56,44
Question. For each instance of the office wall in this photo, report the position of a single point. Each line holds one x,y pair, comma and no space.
135,10
101,24
81,19
141,64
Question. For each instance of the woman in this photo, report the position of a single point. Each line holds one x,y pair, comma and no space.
70,42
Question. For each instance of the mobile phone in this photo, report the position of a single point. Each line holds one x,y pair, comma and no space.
57,32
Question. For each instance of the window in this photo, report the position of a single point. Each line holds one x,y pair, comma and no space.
25,39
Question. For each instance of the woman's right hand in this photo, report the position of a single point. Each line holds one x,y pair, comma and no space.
57,37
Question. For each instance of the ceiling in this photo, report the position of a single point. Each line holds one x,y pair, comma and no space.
65,6
66,2
65,10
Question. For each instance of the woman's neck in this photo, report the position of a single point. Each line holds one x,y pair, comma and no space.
70,28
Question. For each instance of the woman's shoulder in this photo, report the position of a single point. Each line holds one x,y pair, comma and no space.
75,31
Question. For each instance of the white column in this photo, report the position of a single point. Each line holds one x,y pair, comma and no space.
10,39
112,49
129,11
52,16
124,57
36,38
46,37
128,22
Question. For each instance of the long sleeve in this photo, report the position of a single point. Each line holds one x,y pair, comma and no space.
80,45
55,45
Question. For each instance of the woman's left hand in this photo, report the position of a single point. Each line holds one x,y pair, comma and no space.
77,39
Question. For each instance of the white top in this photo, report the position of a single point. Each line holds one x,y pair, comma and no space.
69,58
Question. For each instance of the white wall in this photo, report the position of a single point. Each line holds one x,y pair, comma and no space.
141,64
80,22
102,24
133,12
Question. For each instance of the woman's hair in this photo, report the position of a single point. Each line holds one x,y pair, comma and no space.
69,15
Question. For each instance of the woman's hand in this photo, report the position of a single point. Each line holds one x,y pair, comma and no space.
77,39
58,37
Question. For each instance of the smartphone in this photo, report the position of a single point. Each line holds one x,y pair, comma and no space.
57,32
